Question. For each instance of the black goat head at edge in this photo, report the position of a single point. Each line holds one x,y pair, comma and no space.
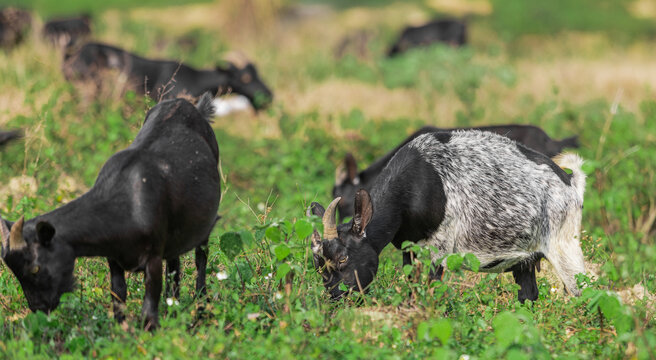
344,254
43,267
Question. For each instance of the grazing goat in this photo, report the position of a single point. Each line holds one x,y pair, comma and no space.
7,136
152,202
461,192
63,32
14,23
163,79
448,31
348,180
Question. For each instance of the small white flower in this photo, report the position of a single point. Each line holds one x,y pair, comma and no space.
268,276
553,289
464,357
94,317
221,275
253,316
278,295
169,301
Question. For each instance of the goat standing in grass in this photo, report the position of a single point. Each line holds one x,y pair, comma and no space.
152,202
461,192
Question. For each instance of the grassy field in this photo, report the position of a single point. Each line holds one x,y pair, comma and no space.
586,70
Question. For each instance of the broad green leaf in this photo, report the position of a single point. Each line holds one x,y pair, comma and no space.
507,329
442,330
454,262
407,269
281,251
471,262
283,269
231,244
422,331
273,233
303,228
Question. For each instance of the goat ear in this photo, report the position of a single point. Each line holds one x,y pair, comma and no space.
347,171
351,166
45,232
364,211
315,209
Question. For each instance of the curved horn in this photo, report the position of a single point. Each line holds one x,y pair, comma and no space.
4,236
329,222
16,241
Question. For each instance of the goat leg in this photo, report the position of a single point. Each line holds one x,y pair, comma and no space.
524,274
201,267
119,290
153,277
173,278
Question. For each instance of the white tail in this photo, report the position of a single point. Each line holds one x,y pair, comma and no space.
574,163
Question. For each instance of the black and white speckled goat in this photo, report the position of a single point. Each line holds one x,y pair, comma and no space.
462,192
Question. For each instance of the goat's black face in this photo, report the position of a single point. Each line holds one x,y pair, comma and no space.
246,81
42,265
344,254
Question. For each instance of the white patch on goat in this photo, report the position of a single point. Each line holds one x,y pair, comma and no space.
226,105
503,207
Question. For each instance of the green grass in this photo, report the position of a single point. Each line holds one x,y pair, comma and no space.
272,304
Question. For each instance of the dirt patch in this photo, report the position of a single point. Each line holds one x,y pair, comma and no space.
19,187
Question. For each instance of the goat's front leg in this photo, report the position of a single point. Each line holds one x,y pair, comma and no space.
201,268
153,278
173,278
119,289
436,272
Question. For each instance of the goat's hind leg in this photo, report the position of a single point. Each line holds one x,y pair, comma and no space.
173,278
119,290
201,268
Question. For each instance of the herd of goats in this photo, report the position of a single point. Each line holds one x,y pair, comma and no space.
492,191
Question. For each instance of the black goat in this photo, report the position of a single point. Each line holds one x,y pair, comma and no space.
152,202
162,79
348,180
14,24
66,31
7,136
448,31
461,192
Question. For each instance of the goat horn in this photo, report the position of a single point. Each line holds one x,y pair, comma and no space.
4,236
16,241
329,222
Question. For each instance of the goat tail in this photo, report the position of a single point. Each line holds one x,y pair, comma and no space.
574,163
570,142
206,106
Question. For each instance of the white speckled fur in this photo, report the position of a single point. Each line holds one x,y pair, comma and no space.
504,207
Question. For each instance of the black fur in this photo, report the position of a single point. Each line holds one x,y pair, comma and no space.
528,135
166,79
151,202
540,159
448,31
65,31
14,25
7,136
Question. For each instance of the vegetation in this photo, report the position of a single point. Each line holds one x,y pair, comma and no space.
264,298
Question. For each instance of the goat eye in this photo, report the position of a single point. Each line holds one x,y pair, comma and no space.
246,78
343,260
35,269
